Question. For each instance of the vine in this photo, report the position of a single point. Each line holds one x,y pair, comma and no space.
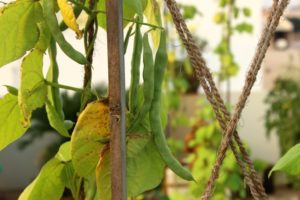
78,165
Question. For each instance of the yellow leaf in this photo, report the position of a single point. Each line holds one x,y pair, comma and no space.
95,119
69,16
91,129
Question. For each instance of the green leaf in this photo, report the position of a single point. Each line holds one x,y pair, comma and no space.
136,141
144,172
71,179
48,185
10,120
219,18
33,90
45,36
18,29
152,13
12,90
290,162
56,121
130,8
64,152
247,12
189,12
69,124
244,27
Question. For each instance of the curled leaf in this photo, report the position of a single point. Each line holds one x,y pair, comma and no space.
69,18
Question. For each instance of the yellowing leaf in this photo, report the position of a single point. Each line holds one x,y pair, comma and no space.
32,94
152,13
92,126
68,15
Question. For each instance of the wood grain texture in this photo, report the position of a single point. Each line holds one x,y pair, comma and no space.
116,98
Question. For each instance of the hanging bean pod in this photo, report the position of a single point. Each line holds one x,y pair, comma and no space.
135,70
155,120
51,20
148,86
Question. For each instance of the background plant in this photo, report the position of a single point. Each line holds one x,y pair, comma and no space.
205,136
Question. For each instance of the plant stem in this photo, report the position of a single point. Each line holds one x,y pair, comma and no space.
228,39
63,86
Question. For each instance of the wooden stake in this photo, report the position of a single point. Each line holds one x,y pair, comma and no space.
116,98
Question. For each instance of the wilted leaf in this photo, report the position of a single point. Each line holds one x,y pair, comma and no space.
69,16
33,90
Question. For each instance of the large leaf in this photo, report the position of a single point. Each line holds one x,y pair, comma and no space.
91,127
10,120
33,89
290,162
55,175
130,8
152,13
144,171
48,185
18,29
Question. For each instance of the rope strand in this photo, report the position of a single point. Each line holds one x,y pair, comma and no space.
227,123
251,77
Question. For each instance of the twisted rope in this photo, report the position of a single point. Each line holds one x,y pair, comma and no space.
213,96
255,66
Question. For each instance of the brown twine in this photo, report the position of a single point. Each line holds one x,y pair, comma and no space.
223,116
212,93
250,79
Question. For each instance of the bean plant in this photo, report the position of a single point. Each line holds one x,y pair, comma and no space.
82,163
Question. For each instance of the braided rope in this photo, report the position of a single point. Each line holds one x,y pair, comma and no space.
250,80
213,95
222,115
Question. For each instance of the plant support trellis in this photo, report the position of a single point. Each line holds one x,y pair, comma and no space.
227,123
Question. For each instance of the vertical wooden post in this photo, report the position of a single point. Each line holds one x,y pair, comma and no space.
116,75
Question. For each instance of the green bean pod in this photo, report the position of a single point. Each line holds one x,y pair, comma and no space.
148,87
135,70
51,20
52,76
155,120
127,37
